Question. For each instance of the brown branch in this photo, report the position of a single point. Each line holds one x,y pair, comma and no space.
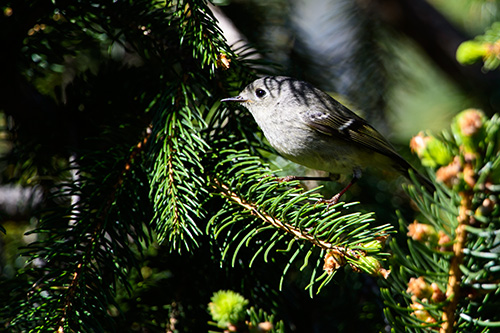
77,273
455,274
297,233
336,256
170,165
71,293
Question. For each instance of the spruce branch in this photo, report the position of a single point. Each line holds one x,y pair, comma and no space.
163,73
445,281
86,251
226,192
483,48
177,186
309,229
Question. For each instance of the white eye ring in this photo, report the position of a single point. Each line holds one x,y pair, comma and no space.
260,93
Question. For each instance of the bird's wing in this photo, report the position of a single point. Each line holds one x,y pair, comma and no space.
346,125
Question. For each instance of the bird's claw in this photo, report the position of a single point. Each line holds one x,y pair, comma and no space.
330,202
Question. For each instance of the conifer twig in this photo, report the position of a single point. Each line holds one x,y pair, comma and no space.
298,234
86,258
455,274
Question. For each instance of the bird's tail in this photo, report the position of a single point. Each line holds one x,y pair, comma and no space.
407,169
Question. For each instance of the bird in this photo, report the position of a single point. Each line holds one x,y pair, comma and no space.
309,127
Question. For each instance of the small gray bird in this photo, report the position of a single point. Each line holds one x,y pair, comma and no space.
309,127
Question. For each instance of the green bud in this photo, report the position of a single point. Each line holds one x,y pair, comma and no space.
422,232
368,264
470,52
227,307
468,129
438,152
431,151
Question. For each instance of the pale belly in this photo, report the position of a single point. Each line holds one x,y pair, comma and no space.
334,156
318,151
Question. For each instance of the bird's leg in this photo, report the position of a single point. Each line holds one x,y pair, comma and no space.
356,175
337,196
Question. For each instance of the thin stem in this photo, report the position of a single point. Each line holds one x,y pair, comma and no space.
86,258
297,233
455,274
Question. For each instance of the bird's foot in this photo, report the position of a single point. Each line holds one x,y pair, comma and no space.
330,202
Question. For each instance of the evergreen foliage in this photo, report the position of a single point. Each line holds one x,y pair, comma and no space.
141,143
303,228
484,48
230,311
445,274
155,196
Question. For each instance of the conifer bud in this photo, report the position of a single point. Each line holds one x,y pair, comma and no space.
419,288
431,151
468,129
470,52
228,308
421,232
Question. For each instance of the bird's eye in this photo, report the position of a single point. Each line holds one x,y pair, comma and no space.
260,93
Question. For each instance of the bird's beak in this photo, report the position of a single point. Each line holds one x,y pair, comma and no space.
238,99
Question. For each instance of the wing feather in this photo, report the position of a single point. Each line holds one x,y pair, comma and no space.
345,125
